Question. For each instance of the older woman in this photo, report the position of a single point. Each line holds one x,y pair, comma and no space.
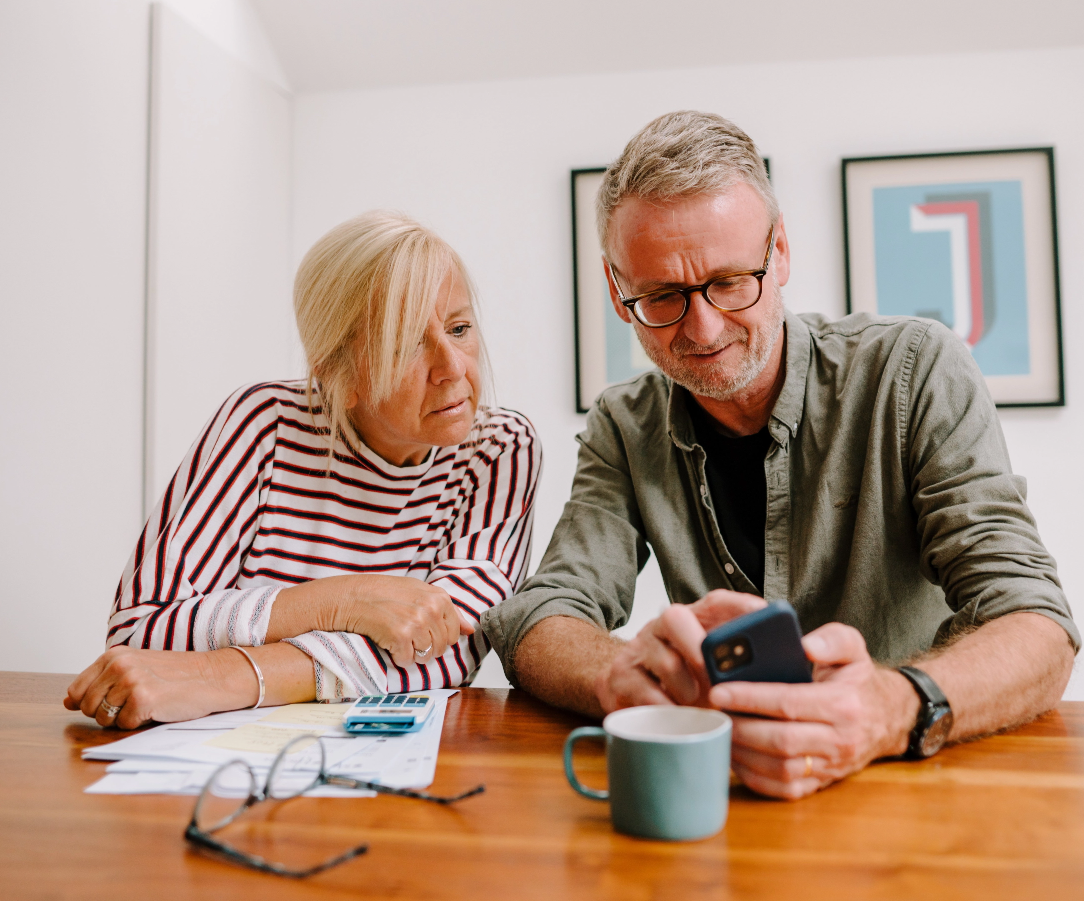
336,537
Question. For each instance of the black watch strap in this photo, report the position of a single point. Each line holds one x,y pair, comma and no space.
934,716
927,688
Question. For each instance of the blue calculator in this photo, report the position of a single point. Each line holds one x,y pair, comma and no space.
387,714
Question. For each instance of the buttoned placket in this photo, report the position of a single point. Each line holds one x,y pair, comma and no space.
777,514
697,457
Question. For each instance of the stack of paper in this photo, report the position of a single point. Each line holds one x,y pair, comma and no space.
179,758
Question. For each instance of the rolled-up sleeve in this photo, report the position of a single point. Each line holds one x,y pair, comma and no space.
978,539
597,549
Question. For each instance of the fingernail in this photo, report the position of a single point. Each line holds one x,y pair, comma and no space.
814,644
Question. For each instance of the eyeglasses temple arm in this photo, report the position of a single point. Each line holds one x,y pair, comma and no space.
404,792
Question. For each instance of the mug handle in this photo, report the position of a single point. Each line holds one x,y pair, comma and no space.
574,736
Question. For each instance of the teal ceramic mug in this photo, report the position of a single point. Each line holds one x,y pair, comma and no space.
669,770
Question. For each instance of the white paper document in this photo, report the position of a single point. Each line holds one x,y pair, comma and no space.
179,758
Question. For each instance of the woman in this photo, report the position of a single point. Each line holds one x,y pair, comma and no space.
339,537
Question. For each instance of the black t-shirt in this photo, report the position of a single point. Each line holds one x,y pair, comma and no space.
735,471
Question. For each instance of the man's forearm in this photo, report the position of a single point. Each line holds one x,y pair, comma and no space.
560,659
1005,673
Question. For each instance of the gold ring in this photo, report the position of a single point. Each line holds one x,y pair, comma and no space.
108,709
808,767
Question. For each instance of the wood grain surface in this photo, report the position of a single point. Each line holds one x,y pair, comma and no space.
997,818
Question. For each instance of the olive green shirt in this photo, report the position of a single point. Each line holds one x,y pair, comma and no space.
891,504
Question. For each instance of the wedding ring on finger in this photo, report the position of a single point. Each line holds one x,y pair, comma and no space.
109,710
421,655
808,767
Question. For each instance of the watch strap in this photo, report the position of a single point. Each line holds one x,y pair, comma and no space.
926,687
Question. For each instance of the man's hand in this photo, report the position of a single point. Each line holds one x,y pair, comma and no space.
663,663
801,738
795,739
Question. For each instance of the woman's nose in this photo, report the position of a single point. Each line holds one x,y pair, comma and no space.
447,364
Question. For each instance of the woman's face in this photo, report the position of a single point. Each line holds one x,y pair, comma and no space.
435,403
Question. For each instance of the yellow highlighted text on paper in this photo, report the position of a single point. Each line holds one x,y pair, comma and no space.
307,714
262,739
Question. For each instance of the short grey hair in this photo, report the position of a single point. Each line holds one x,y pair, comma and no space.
683,154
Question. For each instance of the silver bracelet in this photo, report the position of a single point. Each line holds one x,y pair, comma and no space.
259,675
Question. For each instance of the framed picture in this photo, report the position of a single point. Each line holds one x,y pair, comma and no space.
607,350
969,239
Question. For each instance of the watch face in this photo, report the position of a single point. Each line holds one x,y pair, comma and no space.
937,731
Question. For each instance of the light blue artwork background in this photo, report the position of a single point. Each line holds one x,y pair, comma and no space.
914,270
621,344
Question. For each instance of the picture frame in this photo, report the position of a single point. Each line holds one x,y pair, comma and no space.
607,350
968,238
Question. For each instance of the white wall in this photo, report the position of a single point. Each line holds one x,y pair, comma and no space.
219,298
73,241
488,166
73,120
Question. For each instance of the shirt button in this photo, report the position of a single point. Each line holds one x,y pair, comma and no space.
703,490
729,567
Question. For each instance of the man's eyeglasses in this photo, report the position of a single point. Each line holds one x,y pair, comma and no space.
233,788
731,292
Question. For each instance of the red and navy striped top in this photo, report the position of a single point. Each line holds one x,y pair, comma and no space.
253,508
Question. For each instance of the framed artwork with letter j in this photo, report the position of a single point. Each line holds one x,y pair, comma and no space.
969,239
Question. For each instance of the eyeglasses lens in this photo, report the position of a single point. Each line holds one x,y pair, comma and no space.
297,768
735,293
225,796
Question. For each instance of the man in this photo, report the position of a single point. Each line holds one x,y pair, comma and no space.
855,468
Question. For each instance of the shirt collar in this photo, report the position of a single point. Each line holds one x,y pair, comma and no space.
787,412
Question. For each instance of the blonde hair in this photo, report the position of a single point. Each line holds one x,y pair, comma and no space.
363,296
679,155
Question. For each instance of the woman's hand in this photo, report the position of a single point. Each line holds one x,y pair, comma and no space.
164,686
405,616
170,686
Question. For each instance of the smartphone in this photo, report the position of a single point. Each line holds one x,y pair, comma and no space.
763,646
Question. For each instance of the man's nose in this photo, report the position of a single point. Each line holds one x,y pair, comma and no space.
702,323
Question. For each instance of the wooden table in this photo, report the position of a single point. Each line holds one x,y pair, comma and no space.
998,818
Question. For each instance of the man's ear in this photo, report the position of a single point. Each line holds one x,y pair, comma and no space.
781,254
619,307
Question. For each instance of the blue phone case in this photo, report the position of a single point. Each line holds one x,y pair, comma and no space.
763,646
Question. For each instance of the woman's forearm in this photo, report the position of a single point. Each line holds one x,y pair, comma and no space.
311,607
288,674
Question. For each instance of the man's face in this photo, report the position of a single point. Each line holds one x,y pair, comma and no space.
686,241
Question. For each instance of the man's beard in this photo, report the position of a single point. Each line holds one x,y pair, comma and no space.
723,381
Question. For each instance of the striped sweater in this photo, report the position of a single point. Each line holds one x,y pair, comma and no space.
253,509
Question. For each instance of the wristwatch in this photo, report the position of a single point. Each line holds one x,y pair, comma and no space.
935,718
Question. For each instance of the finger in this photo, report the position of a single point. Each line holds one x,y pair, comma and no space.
450,626
783,740
402,651
721,606
811,702
775,788
82,682
670,669
466,624
630,686
835,644
104,717
426,647
92,697
679,628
